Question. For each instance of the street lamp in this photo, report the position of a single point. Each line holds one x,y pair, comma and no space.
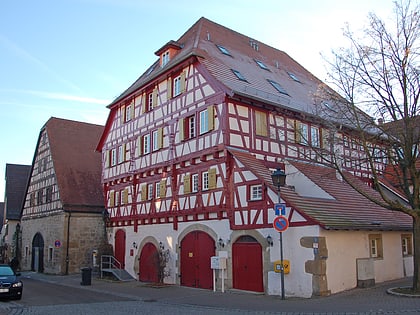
279,180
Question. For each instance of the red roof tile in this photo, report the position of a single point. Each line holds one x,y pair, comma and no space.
77,165
347,210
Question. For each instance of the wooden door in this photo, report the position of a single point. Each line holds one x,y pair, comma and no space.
197,248
149,264
120,247
247,264
37,263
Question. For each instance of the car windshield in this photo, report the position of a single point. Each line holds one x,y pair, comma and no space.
6,271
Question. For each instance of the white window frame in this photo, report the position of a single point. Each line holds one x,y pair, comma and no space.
146,144
256,192
177,86
128,110
150,101
204,121
315,137
191,126
374,248
157,190
194,182
149,191
155,140
205,181
120,154
304,133
113,157
165,58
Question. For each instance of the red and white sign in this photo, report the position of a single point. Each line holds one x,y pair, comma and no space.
280,223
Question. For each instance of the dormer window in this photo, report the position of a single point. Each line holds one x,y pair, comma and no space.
165,58
239,75
293,76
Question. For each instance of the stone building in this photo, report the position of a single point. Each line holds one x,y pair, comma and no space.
63,214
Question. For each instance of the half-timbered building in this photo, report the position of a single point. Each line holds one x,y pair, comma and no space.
63,211
187,155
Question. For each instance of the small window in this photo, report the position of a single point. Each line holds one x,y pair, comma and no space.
407,244
205,181
117,199
278,87
293,76
256,192
50,254
204,118
194,184
155,140
177,86
121,153
262,65
315,137
165,58
150,101
301,133
239,75
39,196
375,245
224,50
157,190
149,191
48,195
129,112
114,157
146,144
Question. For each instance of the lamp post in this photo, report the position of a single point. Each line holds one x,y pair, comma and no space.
279,180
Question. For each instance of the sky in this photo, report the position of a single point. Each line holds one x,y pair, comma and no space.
70,58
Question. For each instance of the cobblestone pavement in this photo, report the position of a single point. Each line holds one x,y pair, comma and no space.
174,300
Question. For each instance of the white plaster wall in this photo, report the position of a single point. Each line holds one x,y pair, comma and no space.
297,283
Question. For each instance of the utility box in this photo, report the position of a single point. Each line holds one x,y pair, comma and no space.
286,266
218,262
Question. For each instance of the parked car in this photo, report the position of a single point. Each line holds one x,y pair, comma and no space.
10,285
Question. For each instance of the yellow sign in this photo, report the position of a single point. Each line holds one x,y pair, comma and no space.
286,266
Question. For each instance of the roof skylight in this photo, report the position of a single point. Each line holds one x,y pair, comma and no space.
239,75
224,50
293,76
278,87
262,65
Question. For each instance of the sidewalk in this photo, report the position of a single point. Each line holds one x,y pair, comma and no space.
373,300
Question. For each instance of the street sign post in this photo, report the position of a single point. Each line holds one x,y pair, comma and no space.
280,223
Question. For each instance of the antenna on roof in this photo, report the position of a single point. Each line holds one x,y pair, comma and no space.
277,64
208,36
253,44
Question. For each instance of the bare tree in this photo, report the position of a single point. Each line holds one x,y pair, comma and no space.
378,76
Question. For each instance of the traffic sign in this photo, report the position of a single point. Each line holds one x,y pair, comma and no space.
280,223
280,209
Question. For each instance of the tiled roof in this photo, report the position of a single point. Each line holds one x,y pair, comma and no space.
16,181
201,41
77,165
346,210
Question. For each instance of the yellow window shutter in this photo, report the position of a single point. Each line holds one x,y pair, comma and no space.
169,88
143,196
125,196
122,113
162,188
160,138
181,129
155,97
112,198
187,184
210,111
183,83
143,103
139,146
261,123
212,178
298,135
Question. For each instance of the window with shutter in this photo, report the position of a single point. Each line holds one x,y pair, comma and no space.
205,181
112,198
122,114
194,183
143,194
125,196
162,186
169,88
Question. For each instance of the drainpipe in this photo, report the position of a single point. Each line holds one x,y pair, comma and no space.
67,242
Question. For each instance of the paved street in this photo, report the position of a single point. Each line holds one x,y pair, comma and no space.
46,294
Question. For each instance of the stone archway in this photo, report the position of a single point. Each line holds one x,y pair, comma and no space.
37,263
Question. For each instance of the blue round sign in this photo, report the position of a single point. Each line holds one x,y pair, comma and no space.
280,223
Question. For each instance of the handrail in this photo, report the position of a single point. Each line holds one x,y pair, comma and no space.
110,262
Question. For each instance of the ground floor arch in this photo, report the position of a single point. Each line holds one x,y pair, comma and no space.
197,248
37,261
149,263
247,264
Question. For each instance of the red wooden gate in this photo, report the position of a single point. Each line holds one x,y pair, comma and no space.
197,248
149,264
247,264
120,247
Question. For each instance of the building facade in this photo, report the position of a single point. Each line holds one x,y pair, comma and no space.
187,156
63,214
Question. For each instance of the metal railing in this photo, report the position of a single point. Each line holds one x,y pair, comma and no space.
111,264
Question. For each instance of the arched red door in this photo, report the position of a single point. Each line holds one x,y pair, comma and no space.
149,264
197,248
247,264
120,247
